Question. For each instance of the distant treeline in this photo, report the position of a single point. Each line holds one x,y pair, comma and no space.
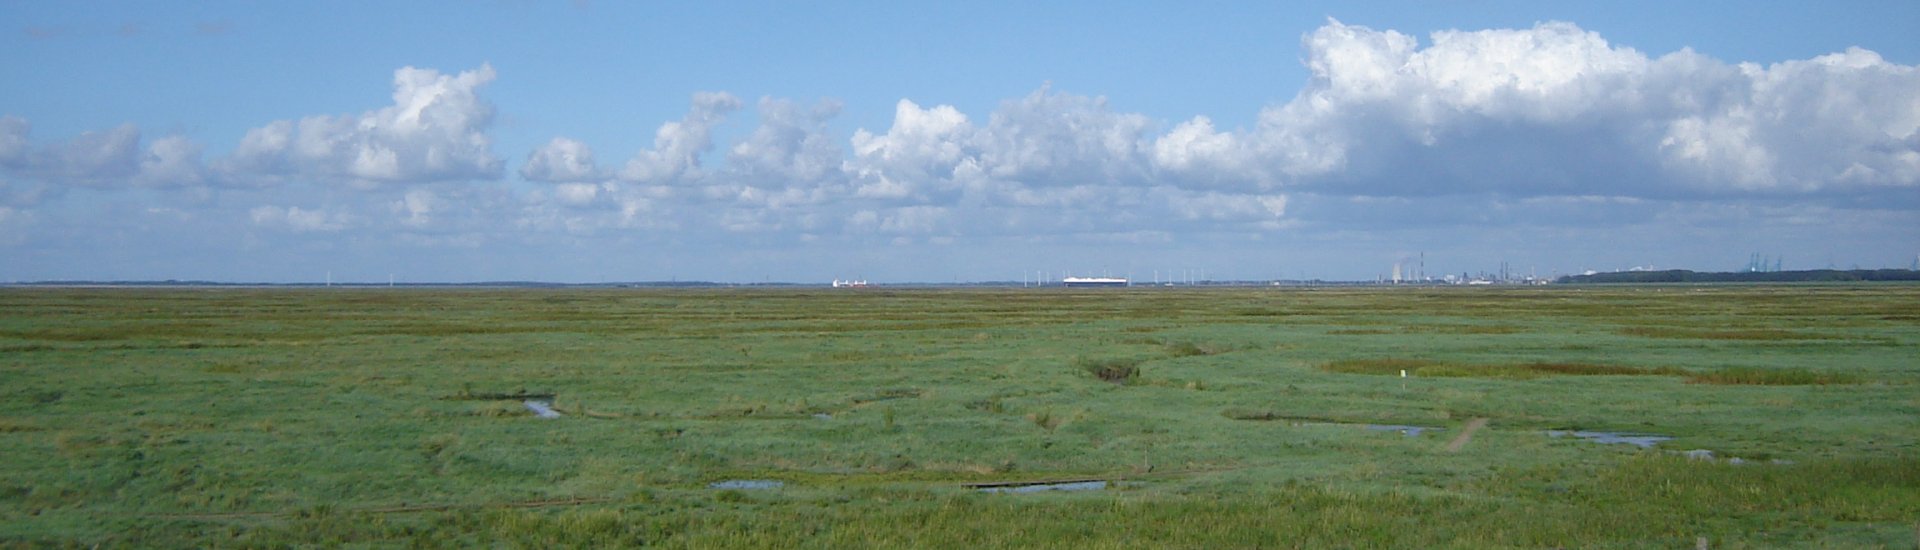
1685,276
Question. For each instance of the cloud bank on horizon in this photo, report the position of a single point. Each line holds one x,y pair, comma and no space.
1548,129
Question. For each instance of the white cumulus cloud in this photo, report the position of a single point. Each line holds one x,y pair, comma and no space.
13,141
791,144
1557,110
415,208
435,130
577,194
1062,139
172,160
97,158
1196,153
105,159
1844,120
561,160
298,219
677,145
922,147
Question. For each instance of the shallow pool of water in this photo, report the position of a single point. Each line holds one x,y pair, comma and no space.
1409,431
747,484
542,409
1641,440
1036,488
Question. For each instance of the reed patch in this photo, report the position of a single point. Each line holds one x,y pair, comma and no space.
1758,376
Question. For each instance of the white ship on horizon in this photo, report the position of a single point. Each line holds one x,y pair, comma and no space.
1093,281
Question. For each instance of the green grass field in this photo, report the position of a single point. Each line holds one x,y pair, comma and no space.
1225,418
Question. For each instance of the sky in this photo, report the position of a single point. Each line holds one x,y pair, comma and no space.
597,141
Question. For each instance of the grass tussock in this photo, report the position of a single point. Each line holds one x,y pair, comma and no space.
1185,349
890,394
1195,385
10,425
1522,371
1123,371
1756,376
1046,419
1268,415
994,405
1191,349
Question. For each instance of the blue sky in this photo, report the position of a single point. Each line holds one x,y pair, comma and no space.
603,141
